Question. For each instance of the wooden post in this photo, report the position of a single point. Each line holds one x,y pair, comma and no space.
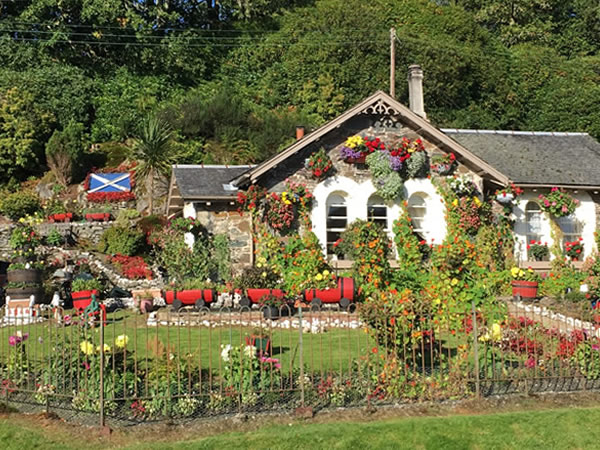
392,62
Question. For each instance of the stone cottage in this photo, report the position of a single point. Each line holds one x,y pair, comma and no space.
533,161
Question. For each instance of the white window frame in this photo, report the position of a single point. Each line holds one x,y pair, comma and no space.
336,230
421,230
375,201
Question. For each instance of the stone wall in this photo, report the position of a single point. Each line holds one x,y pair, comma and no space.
225,219
79,232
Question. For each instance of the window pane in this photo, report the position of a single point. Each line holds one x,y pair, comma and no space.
337,219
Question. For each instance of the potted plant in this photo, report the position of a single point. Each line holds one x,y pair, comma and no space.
319,164
56,211
356,148
259,338
464,187
537,251
274,306
524,283
144,301
82,290
558,202
574,249
508,194
443,164
190,292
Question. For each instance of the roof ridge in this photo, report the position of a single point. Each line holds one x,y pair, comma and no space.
514,132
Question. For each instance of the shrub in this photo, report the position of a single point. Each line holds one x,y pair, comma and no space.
121,240
20,204
81,284
54,238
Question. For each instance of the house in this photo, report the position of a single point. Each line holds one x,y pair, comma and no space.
534,161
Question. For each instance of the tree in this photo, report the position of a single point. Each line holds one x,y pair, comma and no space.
152,149
64,150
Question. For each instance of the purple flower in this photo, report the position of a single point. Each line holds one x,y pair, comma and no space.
347,152
395,163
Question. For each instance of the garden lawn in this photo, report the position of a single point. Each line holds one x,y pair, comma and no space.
334,349
552,429
558,429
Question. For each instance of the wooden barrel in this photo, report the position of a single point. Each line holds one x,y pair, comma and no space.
24,276
526,290
26,292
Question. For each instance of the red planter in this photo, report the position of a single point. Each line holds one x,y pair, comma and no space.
526,290
62,217
197,297
97,217
255,295
344,293
82,299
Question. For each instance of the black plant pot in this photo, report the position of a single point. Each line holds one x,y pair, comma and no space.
271,312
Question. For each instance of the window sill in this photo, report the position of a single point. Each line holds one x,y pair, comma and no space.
545,265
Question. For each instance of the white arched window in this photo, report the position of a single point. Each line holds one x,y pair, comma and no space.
377,211
417,210
571,229
337,219
533,222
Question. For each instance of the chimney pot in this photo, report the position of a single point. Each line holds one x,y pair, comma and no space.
415,90
299,132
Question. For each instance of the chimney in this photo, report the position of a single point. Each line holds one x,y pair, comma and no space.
299,133
415,90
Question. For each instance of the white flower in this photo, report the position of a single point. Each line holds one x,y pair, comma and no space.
225,352
250,351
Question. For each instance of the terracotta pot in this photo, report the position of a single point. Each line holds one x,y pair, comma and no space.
525,290
24,276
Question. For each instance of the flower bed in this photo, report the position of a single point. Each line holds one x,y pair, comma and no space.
132,267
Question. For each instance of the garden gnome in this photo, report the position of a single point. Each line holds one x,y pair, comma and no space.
56,307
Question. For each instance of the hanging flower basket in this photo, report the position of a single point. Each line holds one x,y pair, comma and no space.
443,164
505,198
558,203
319,164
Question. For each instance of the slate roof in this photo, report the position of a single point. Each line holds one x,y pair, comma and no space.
538,158
207,182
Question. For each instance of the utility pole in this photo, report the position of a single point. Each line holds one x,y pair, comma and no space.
392,62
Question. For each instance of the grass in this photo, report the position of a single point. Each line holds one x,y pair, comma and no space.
553,429
332,350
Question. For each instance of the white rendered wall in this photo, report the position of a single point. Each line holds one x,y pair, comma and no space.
189,211
585,213
357,196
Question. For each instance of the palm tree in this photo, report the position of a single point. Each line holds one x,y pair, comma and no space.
152,149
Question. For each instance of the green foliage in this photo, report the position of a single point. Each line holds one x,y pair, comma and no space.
559,279
19,204
367,245
179,260
54,238
81,284
64,151
409,248
123,240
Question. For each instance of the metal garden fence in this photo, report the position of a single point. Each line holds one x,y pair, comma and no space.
130,367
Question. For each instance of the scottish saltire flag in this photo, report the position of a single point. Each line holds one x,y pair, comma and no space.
110,182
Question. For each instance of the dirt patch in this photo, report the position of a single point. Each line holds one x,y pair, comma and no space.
577,309
97,437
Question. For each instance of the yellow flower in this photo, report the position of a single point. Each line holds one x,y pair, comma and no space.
87,348
515,272
264,274
477,201
454,282
354,141
455,202
106,348
410,149
318,277
521,273
496,331
325,272
485,337
122,340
